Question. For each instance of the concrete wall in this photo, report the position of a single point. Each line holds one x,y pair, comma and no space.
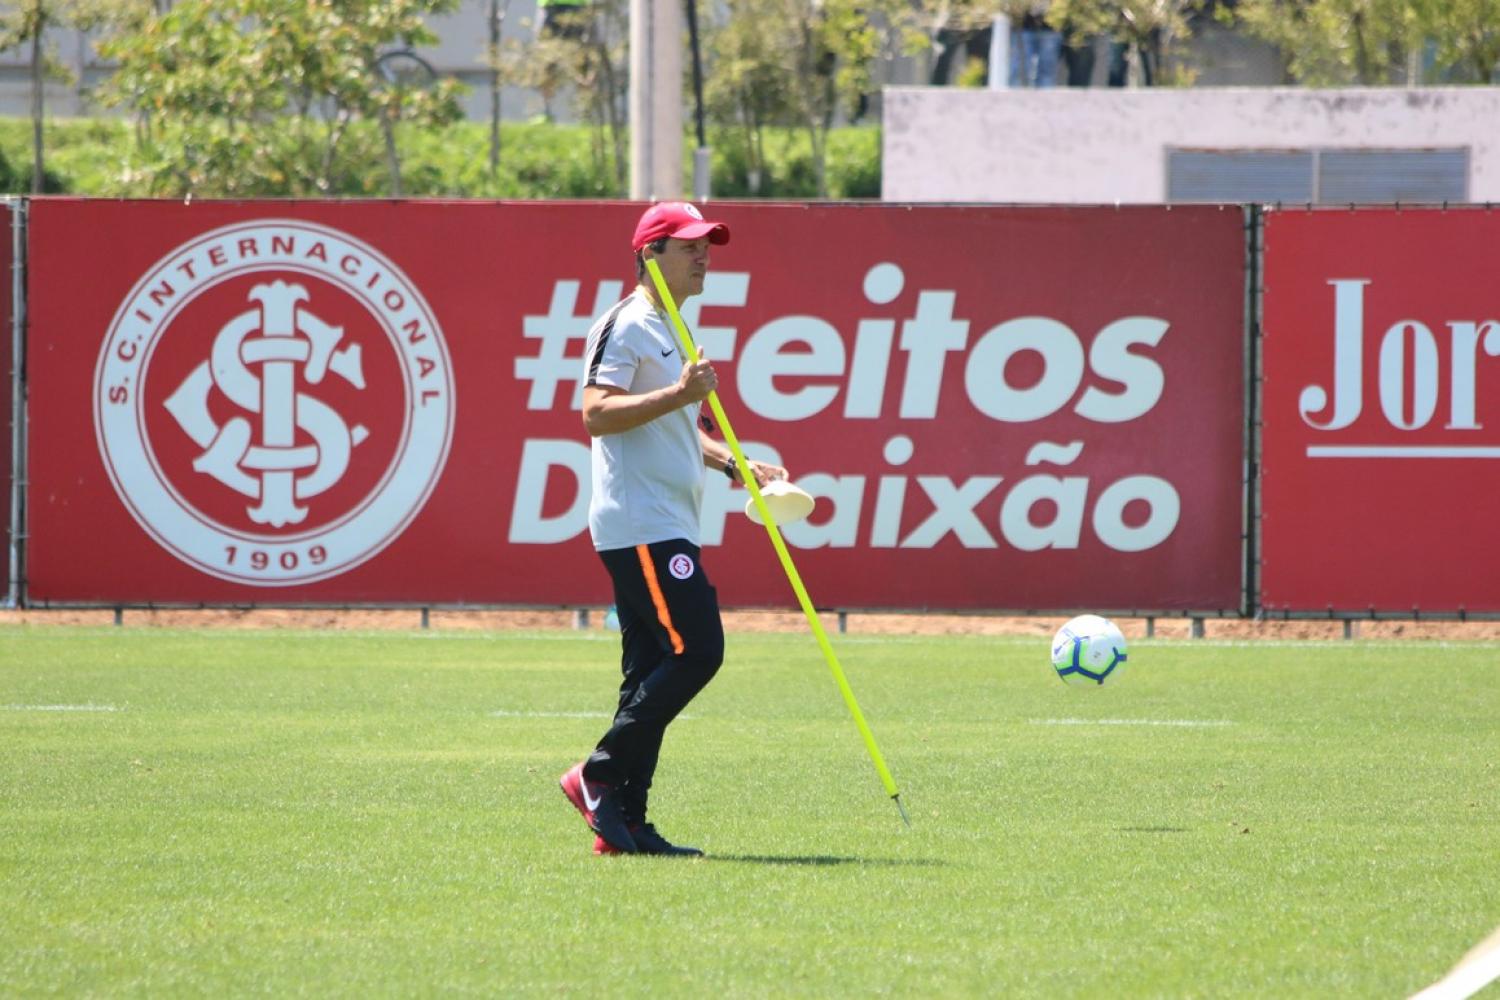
1105,146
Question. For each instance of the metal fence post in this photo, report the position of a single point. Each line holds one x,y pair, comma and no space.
15,592
1254,379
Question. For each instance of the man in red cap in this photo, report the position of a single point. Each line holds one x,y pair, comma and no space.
641,399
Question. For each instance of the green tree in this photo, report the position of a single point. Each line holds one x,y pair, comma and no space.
1373,42
27,24
273,97
796,63
589,67
1465,37
1330,43
1155,29
932,18
745,87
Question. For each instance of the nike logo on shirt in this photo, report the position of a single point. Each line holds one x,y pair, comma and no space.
669,352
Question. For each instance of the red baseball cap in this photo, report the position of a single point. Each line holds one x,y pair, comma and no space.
679,220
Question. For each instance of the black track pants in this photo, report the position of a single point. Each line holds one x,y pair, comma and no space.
673,643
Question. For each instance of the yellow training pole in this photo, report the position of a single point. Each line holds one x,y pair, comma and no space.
690,350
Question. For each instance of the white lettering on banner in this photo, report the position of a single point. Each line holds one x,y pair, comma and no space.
867,372
793,367
927,338
1348,360
725,288
1109,513
765,360
838,530
1393,375
1111,358
872,345
890,496
1060,350
528,523
1420,386
1069,495
813,351
953,510
841,502
563,325
557,330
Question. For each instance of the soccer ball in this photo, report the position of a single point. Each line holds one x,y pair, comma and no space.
1088,650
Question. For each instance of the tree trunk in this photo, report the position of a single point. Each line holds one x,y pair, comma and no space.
750,126
38,171
1363,67
819,141
392,157
612,94
497,17
760,175
324,181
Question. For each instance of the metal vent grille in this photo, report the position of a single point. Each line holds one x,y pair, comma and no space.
1238,175
1405,175
1318,176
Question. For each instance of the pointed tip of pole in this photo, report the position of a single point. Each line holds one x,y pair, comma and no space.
905,818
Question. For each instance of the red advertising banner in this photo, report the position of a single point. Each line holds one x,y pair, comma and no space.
293,402
1381,444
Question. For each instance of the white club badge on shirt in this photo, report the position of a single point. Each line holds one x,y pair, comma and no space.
680,566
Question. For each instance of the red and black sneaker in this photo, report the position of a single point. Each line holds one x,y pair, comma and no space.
600,806
648,841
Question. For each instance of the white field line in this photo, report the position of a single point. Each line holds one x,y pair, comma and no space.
1473,973
1196,723
504,714
1335,645
1352,646
507,714
59,708
436,633
110,633
495,635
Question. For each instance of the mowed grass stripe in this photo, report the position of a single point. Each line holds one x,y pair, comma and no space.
319,813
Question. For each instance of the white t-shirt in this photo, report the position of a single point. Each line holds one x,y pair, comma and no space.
648,481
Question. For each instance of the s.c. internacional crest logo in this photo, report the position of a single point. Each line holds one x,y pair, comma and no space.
274,402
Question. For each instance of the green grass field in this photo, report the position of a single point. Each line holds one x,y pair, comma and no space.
318,813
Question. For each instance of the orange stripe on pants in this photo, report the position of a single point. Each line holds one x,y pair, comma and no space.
648,569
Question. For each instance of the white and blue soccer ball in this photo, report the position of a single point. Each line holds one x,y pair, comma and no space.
1088,650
